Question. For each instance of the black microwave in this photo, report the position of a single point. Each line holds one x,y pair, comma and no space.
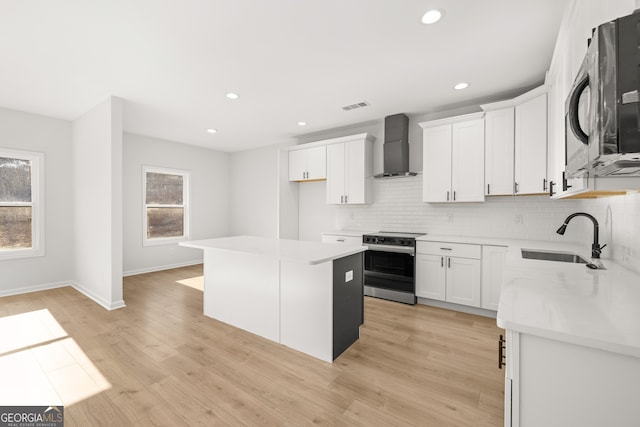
602,116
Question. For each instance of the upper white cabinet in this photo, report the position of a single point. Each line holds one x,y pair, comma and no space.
531,145
453,159
350,170
308,164
516,145
499,150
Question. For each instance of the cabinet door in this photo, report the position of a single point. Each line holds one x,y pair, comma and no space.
297,165
436,164
430,276
467,156
335,174
463,281
499,155
317,163
355,172
492,266
531,146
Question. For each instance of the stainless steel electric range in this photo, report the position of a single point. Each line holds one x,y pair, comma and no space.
389,266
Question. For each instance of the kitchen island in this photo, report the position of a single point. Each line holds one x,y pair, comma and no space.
304,295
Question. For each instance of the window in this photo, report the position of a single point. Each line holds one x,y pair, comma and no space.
21,204
166,205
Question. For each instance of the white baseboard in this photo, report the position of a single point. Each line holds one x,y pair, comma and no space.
35,288
458,307
160,268
97,299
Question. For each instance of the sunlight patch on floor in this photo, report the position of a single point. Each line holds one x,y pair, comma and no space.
41,365
193,282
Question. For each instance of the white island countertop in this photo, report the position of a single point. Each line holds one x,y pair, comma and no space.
565,301
298,251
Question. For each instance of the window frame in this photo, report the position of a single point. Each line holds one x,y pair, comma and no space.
158,241
37,205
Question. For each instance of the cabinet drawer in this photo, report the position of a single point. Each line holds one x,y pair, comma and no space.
461,250
348,240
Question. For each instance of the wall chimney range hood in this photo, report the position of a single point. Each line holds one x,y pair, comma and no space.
396,147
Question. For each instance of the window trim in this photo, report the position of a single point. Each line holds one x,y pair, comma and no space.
159,241
37,205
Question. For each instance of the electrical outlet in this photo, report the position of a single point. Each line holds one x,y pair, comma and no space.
519,219
348,276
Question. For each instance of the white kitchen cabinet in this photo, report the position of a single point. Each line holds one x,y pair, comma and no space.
531,145
516,145
556,383
453,159
308,164
499,151
430,277
349,171
342,239
492,267
448,272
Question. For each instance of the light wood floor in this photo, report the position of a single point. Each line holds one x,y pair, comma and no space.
164,363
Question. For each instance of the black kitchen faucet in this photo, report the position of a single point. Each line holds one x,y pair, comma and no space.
596,249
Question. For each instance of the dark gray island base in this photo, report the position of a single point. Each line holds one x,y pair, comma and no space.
348,302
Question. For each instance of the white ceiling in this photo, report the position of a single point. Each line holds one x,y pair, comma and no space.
173,61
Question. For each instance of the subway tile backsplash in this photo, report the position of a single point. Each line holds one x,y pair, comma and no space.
398,206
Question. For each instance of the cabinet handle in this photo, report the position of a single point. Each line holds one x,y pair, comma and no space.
515,188
501,348
446,249
454,195
441,261
447,196
544,184
449,262
346,198
488,192
551,192
565,182
339,240
341,199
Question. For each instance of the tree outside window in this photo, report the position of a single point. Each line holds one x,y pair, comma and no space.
165,205
21,204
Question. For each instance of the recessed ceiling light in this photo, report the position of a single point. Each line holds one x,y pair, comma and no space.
461,85
232,95
432,16
212,130
302,123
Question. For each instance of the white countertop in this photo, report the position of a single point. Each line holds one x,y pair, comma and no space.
352,233
286,250
564,301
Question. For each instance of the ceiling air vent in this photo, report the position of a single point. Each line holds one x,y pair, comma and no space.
357,105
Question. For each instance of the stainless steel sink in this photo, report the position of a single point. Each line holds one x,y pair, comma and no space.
554,256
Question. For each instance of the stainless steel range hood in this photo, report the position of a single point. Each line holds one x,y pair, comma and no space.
396,147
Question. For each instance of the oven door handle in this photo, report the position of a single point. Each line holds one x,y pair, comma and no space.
410,250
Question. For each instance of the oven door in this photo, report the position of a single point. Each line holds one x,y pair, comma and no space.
390,270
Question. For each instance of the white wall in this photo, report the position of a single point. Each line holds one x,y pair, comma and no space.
209,198
97,189
618,217
254,192
23,131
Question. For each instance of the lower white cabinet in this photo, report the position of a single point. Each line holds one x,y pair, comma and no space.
555,383
343,239
442,274
492,267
